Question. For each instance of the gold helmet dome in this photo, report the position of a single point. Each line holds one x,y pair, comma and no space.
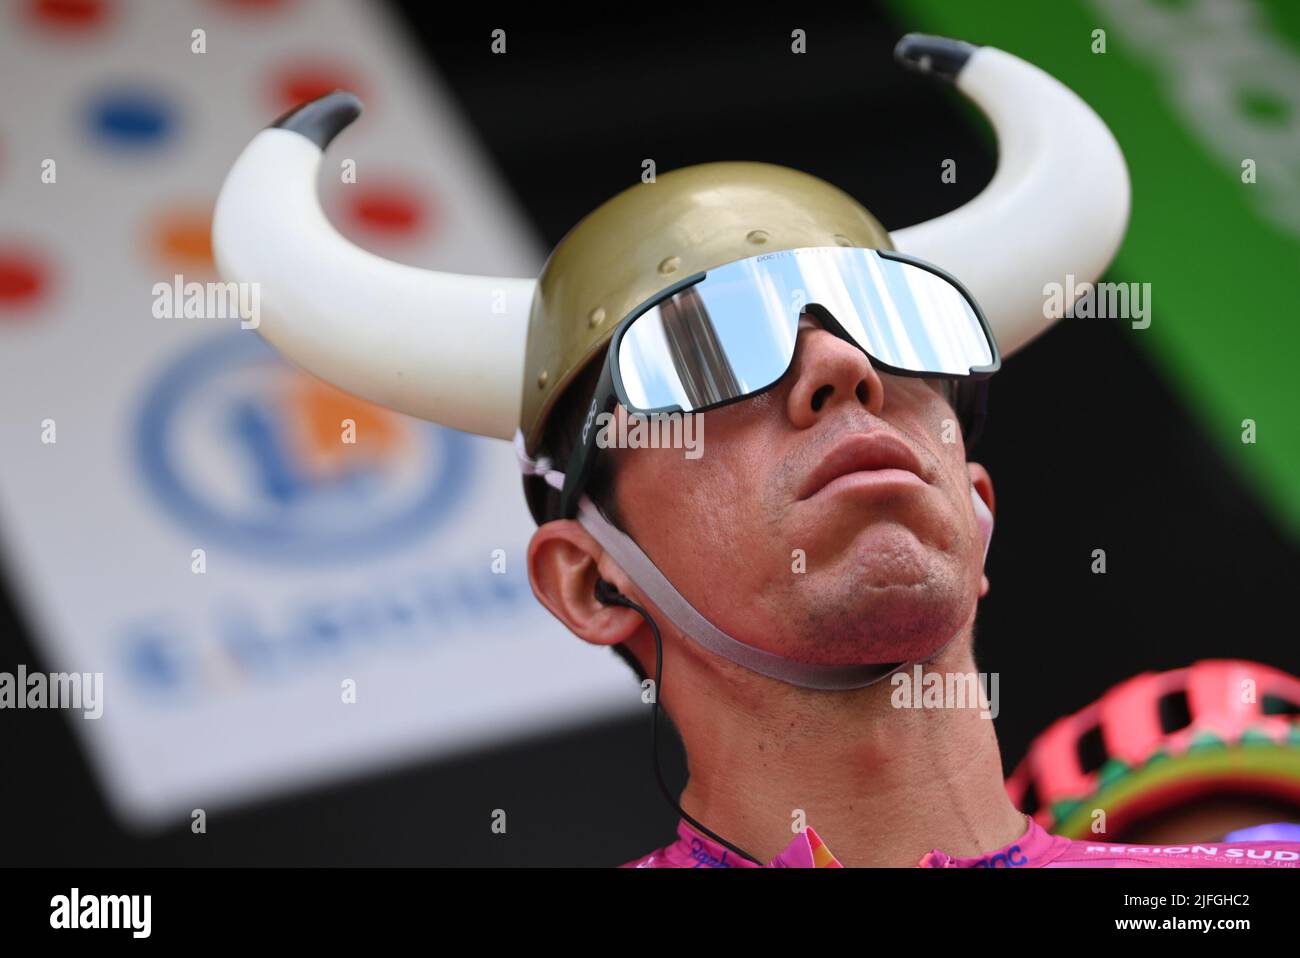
656,233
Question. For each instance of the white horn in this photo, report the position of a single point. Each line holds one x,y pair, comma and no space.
440,346
1057,206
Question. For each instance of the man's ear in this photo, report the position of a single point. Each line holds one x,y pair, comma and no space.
564,562
982,485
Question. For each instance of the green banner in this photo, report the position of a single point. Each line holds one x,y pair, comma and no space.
1204,99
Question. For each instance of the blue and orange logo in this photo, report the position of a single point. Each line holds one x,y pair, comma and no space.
257,456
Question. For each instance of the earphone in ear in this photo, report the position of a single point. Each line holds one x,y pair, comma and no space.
984,517
607,593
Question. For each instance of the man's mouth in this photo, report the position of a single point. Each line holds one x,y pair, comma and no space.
864,459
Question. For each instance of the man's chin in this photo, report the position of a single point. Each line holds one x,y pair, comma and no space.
899,623
888,558
881,553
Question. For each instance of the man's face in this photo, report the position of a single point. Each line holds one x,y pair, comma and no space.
790,533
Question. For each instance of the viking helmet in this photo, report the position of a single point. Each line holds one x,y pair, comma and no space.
491,355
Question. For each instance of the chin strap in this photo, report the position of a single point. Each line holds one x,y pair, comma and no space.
655,586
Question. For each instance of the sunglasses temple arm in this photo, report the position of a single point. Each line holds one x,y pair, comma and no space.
978,412
583,457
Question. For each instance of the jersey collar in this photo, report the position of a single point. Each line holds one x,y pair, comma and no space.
693,850
1035,848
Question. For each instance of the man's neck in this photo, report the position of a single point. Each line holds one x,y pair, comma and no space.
882,785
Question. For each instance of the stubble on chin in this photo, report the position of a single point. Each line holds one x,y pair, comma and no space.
833,617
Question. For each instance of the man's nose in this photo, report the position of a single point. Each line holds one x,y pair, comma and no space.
827,371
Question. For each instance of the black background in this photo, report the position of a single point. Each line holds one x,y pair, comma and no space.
1087,447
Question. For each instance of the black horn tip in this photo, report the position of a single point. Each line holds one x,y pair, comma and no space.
938,57
323,118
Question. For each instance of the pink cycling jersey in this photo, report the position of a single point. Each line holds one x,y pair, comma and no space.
1036,848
